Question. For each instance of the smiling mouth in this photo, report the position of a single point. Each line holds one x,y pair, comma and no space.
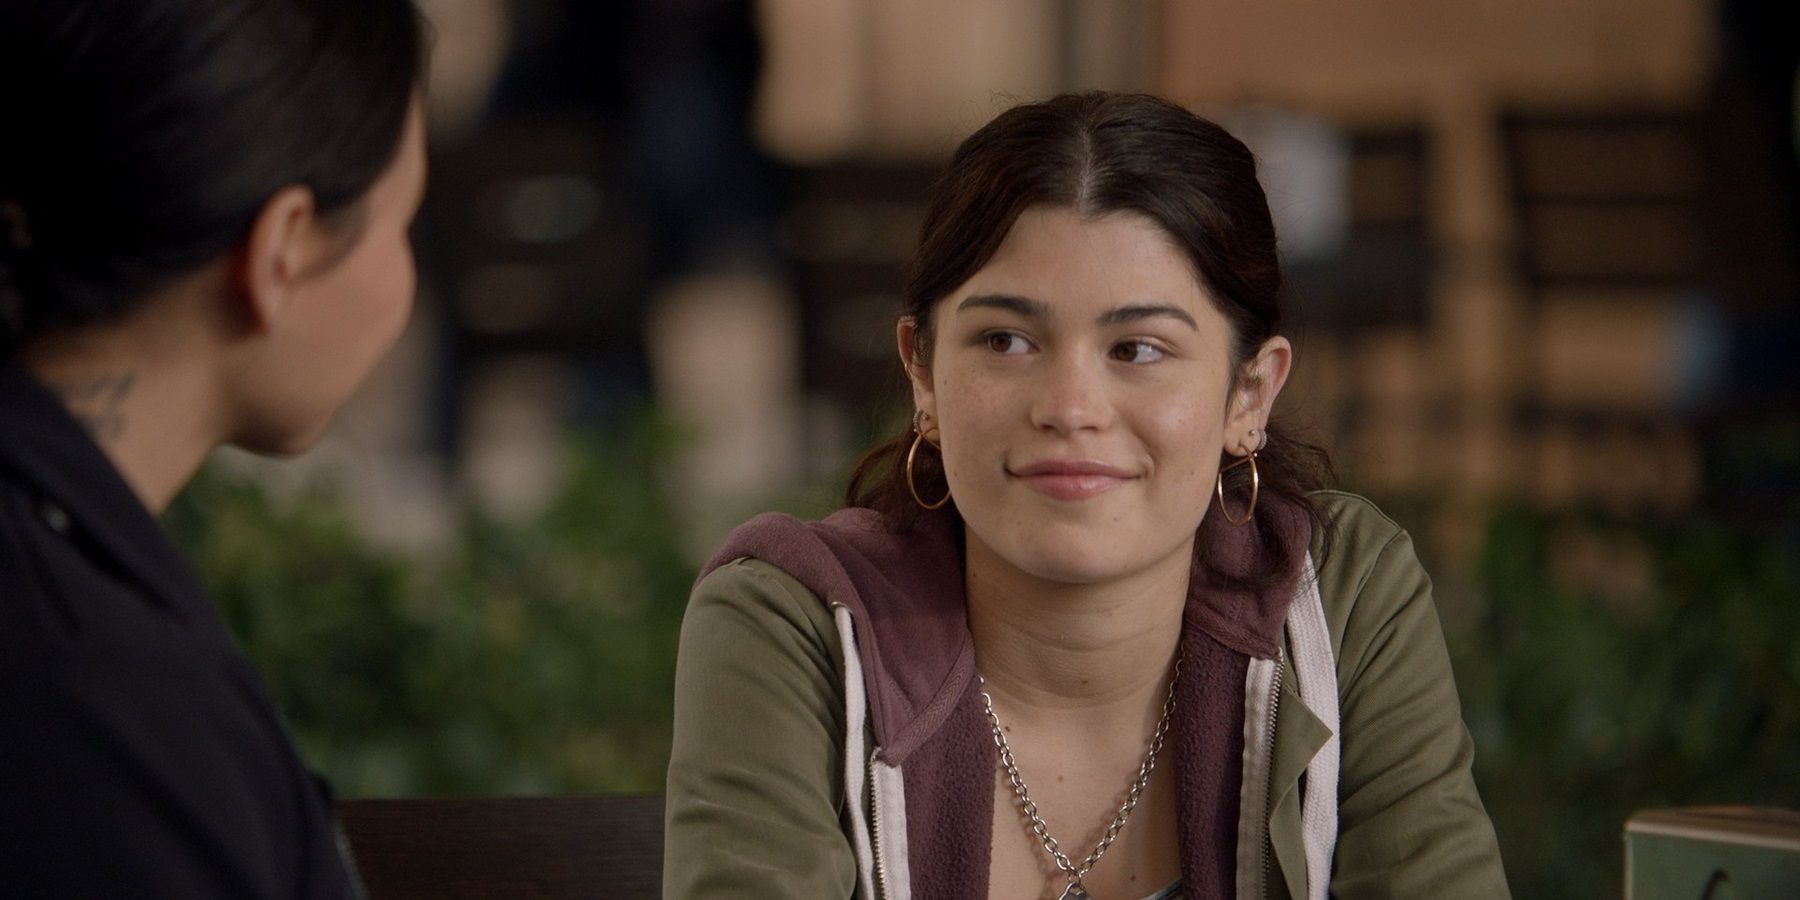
1071,481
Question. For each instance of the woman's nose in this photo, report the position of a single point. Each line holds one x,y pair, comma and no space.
1070,397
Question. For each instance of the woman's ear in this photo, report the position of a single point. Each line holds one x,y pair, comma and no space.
918,370
283,245
1259,383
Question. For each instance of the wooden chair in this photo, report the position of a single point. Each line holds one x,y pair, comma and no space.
498,848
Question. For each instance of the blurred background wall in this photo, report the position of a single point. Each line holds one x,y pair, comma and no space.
1542,263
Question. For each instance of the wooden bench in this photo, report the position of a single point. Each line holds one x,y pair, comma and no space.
498,848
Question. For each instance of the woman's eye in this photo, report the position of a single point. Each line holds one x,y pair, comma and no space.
1136,352
1007,343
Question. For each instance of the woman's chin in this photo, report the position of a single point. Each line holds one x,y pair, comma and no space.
281,443
1069,561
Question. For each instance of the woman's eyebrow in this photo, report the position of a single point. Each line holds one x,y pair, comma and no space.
1038,309
1024,306
1137,312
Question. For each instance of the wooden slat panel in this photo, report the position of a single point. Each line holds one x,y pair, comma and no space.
1651,160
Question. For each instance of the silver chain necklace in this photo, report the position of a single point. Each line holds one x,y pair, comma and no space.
1075,873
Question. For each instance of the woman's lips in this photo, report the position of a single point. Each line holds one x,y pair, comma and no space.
1071,479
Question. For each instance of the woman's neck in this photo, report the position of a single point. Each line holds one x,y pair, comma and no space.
1051,648
148,405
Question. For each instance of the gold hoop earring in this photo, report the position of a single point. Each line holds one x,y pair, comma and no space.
913,453
1255,489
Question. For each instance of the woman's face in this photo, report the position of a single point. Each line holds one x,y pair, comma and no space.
1079,387
343,318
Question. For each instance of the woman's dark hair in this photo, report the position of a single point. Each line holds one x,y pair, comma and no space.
1098,153
144,136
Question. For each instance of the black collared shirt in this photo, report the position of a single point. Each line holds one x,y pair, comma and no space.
139,753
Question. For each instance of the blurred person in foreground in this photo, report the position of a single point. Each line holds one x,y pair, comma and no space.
1092,627
204,212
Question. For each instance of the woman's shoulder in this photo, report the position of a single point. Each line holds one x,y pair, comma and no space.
1354,517
753,584
853,558
747,575
1361,547
1356,530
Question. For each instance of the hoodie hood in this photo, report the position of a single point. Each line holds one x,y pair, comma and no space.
904,591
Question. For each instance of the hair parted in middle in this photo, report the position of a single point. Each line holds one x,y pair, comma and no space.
1098,153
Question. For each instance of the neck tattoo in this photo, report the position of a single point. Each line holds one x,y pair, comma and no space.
98,402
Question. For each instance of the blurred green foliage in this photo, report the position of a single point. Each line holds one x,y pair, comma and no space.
1593,692
527,657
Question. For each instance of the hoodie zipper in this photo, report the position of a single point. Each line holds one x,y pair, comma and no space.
1268,838
875,833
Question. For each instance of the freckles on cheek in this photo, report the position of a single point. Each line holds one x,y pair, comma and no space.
968,403
1193,443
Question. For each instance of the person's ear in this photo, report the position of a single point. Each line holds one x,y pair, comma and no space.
918,366
1259,383
281,249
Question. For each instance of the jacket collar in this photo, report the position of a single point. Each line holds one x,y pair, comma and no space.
47,450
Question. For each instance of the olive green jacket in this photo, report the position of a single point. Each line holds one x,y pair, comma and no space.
765,696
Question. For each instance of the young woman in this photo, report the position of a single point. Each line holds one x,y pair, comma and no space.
1090,628
204,207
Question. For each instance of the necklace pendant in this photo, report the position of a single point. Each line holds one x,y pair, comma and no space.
1076,892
